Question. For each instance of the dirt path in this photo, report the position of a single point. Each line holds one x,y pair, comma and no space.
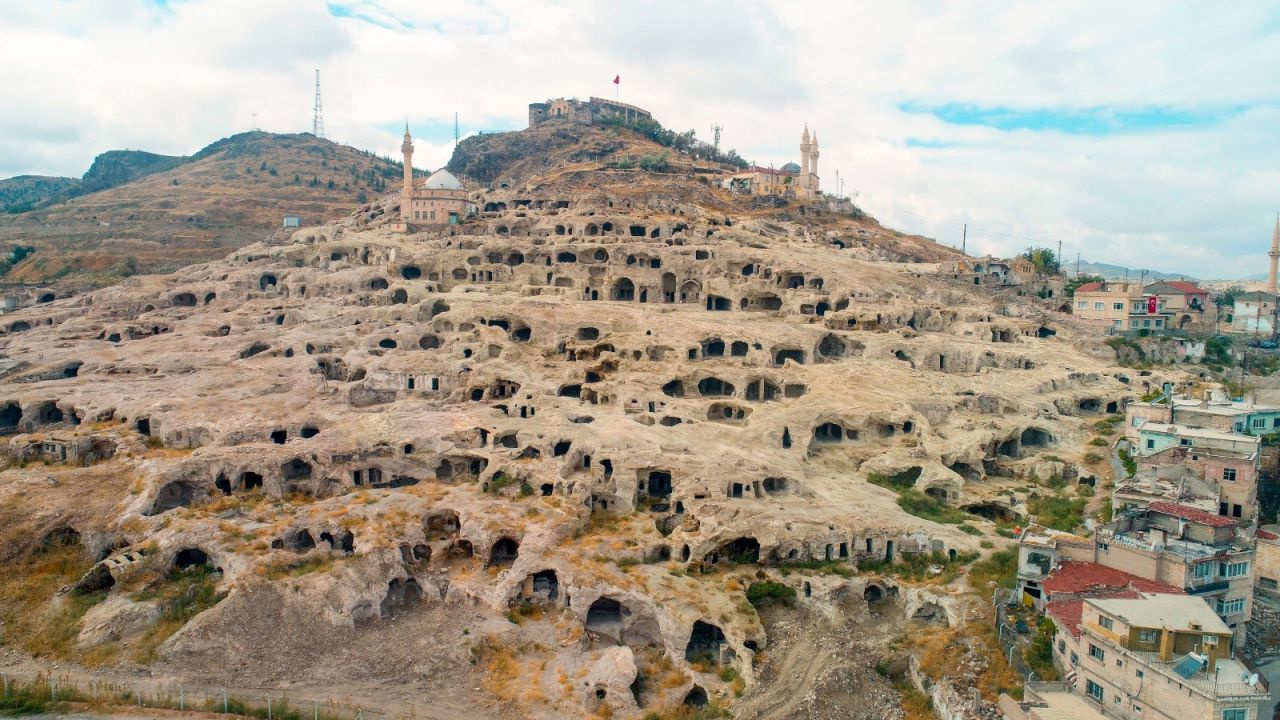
787,691
367,702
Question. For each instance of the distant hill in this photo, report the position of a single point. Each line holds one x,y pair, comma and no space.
136,211
26,192
1119,272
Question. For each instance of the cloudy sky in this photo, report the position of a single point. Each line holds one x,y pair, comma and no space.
1140,133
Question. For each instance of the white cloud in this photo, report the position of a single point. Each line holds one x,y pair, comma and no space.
85,76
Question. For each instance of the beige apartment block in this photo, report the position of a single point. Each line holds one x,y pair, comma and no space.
1157,657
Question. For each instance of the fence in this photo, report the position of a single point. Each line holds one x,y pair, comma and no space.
1009,637
38,693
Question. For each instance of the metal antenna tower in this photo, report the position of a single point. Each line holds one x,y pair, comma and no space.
317,121
456,135
715,132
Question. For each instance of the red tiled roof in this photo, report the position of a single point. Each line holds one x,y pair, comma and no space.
1195,515
1189,288
1268,535
1067,614
1090,287
1075,578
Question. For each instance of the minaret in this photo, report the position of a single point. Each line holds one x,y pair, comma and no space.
813,165
406,193
1275,257
805,145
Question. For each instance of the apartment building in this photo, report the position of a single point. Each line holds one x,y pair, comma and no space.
1198,551
1153,657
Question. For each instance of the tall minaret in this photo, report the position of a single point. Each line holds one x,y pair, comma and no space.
812,180
406,193
805,146
1275,257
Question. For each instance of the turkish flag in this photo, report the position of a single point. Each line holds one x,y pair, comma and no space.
1151,305
617,79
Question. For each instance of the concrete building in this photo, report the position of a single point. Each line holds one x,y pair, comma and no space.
1214,412
1264,622
1254,313
1154,657
1184,302
1157,307
1234,474
1155,436
440,199
1108,304
1040,551
1198,551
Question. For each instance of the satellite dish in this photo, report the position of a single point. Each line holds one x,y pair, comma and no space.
1253,680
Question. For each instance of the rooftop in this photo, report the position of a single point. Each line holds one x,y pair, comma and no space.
1048,537
1056,701
1192,514
1172,612
442,180
1075,578
1195,432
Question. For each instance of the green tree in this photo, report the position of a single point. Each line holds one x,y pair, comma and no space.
1074,283
1045,260
1227,298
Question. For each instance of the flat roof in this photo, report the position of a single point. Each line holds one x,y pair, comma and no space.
1061,705
1175,612
1195,432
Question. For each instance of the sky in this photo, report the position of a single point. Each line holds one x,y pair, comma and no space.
1141,133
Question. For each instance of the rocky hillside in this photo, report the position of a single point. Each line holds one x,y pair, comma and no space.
622,445
141,212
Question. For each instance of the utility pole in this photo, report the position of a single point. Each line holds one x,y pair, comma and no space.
456,136
964,240
1077,263
317,120
1057,259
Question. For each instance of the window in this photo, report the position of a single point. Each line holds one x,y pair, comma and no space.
1146,323
1159,322
1235,714
1236,511
1118,323
1146,636
1151,444
1259,422
1229,474
1204,570
1117,306
1184,442
1095,690
1139,674
1082,305
1075,659
1275,423
1096,652
1097,306
1106,623
1137,708
1062,644
1230,607
1231,570
1268,583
